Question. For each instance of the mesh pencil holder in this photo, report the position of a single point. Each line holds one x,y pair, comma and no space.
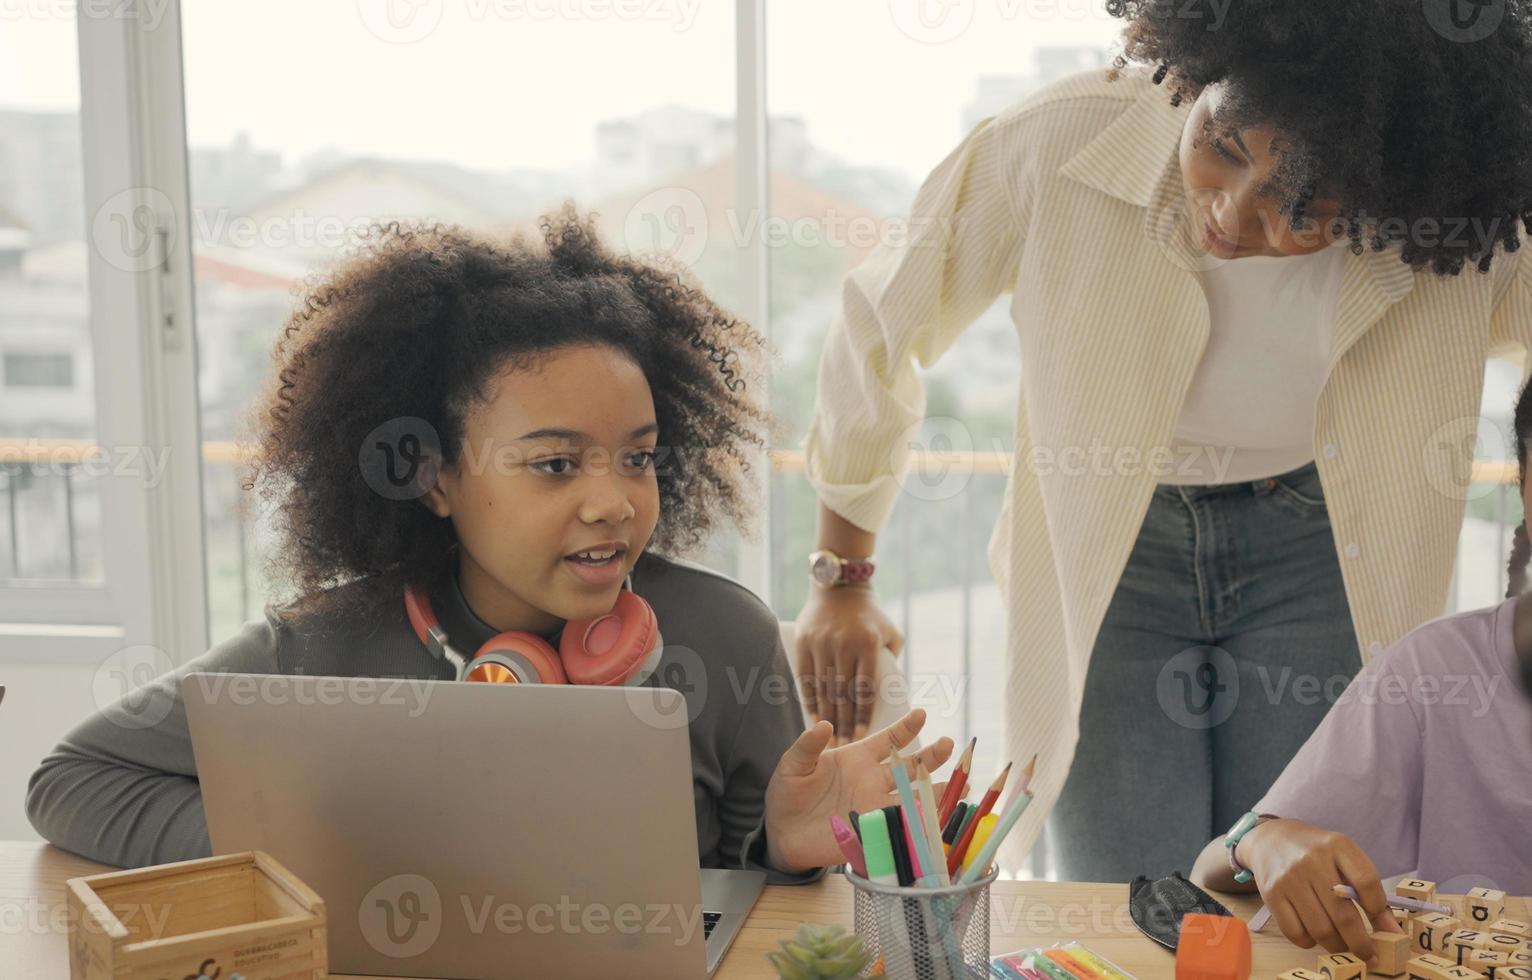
923,933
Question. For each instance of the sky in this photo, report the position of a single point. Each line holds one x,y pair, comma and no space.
521,83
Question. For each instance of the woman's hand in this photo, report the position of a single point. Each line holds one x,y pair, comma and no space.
838,636
810,784
1297,866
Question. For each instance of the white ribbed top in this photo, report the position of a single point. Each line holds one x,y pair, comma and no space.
1250,411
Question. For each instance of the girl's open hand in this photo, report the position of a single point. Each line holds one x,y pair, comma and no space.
810,783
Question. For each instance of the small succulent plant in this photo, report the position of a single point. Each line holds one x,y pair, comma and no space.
819,952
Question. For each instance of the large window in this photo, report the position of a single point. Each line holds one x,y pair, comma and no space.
49,505
855,128
481,115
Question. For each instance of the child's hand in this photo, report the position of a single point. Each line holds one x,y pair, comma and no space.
810,784
1296,866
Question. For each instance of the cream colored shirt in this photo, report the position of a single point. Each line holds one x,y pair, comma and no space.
1249,412
1072,202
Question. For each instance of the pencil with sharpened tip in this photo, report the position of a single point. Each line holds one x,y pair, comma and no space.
1014,808
925,799
955,858
957,784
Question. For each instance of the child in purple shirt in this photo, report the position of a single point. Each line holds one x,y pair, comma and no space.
1423,766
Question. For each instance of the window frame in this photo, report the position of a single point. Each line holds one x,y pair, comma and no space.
133,155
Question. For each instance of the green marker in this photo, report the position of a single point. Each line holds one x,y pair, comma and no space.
877,850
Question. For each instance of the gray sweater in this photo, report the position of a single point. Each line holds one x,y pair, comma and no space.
127,795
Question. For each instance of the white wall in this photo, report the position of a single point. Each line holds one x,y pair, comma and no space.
42,702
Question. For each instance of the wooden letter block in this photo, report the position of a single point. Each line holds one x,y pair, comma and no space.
1342,966
1514,926
1503,943
1422,891
1431,931
1427,967
1486,961
1513,973
1461,973
1485,906
1457,944
1300,975
1393,953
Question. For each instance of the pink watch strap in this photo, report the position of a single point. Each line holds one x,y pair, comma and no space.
856,572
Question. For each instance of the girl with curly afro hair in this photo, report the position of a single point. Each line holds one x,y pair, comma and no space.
1257,266
476,451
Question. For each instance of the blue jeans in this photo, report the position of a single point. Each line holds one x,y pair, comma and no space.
1227,639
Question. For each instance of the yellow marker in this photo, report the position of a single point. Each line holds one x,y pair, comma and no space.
980,835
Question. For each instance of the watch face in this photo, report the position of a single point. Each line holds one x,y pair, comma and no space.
825,569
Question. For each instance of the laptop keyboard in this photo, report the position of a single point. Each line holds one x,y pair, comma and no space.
709,920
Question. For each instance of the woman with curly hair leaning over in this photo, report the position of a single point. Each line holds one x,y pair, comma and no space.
530,422
1256,269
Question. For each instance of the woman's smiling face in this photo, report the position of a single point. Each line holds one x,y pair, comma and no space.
553,496
1225,174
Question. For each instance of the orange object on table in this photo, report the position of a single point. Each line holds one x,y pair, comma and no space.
1213,947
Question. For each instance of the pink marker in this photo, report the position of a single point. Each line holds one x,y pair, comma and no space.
845,839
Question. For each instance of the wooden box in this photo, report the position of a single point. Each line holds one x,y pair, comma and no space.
232,915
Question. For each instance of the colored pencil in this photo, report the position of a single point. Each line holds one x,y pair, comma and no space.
955,857
925,799
1396,901
957,783
1013,811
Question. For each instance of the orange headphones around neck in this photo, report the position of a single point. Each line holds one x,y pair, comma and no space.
620,648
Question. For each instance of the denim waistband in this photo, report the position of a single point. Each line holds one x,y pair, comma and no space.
1304,479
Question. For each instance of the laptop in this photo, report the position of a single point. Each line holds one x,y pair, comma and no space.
472,830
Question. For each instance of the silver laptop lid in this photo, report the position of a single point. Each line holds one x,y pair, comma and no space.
460,829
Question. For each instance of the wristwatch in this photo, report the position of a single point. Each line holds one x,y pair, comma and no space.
827,569
1236,834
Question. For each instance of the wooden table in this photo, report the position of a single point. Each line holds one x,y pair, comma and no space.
34,930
